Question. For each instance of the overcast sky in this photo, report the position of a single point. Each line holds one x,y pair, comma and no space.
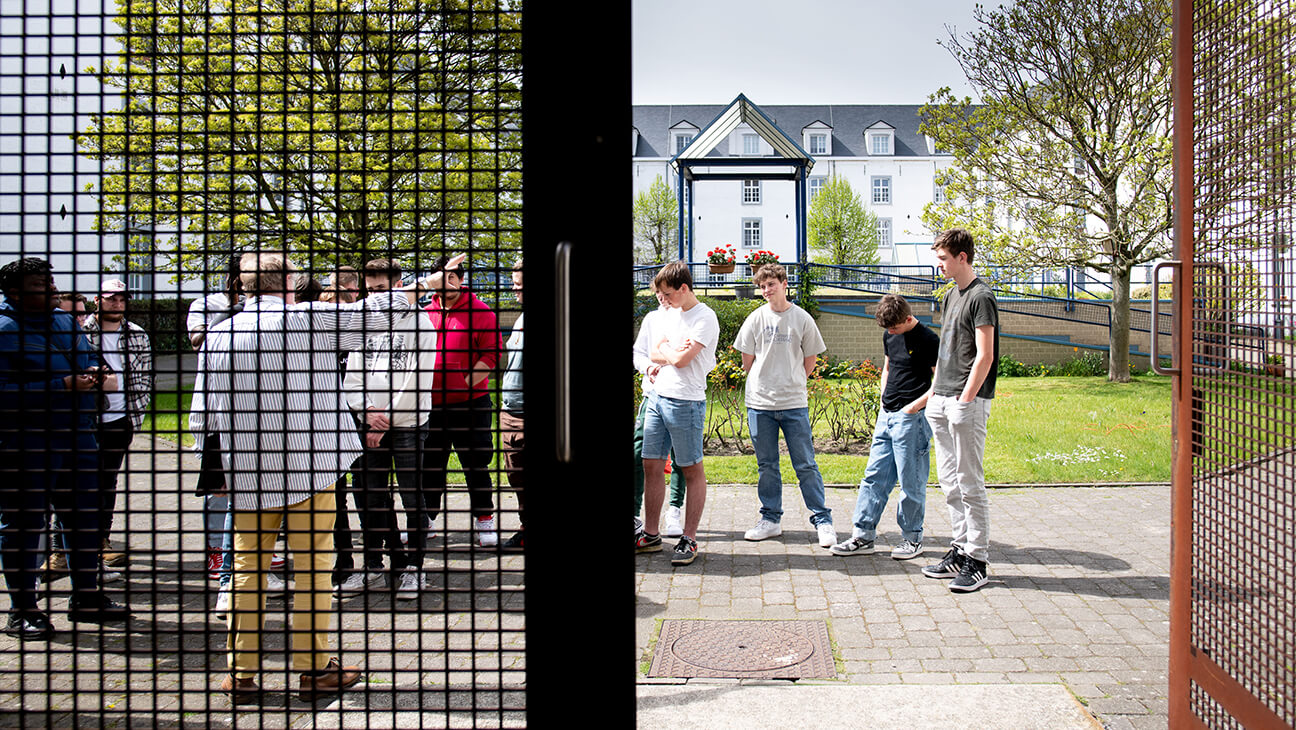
799,52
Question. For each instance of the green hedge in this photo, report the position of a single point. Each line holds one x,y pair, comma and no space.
164,321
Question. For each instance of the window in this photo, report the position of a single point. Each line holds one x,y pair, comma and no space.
884,233
816,185
751,234
882,191
938,193
818,144
751,144
879,144
751,192
682,141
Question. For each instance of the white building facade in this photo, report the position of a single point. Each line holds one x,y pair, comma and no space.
877,149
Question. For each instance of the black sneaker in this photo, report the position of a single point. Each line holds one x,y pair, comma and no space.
29,626
972,575
685,551
517,542
96,608
948,567
853,546
645,543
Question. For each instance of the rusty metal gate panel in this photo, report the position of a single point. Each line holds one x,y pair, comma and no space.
1233,589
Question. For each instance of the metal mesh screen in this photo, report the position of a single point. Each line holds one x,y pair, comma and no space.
1243,397
171,437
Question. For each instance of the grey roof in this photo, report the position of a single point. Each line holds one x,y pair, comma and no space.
848,122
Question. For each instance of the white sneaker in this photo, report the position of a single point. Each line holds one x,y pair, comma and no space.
361,582
673,526
827,535
762,530
110,576
223,600
275,585
277,561
638,524
412,582
485,529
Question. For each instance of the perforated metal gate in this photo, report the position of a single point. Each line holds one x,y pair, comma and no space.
1233,592
151,143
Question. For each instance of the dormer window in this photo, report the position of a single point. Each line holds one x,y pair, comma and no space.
682,134
879,143
816,138
751,144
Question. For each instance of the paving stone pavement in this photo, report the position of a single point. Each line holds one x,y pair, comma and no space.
454,658
1078,594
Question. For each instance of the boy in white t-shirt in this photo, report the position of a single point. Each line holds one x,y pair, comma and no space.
648,369
676,412
779,343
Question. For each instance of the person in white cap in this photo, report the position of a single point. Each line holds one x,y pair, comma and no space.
124,348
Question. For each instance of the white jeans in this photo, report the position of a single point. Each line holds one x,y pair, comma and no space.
959,430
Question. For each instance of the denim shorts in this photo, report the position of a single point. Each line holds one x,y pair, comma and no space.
673,423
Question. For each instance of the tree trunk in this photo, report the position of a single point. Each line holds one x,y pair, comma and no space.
1118,337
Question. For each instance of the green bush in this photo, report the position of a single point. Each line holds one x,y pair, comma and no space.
164,321
1088,364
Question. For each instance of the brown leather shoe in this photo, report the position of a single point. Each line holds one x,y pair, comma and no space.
111,558
240,690
333,680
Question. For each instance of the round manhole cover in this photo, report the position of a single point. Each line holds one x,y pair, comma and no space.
747,648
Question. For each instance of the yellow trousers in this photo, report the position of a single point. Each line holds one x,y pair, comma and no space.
310,540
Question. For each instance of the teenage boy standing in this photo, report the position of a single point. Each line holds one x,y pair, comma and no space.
779,343
676,412
901,439
649,369
959,407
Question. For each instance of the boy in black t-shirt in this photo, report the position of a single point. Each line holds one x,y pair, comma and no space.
900,441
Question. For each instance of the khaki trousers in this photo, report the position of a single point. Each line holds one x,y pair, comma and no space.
310,540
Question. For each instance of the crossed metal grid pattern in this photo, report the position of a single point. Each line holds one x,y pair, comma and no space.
152,142
1243,394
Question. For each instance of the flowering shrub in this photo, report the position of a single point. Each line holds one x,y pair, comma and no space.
722,255
760,258
843,395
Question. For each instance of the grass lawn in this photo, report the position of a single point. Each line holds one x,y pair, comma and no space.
1041,430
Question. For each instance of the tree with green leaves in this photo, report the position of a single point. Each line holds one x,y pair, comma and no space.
840,230
1066,159
656,224
339,131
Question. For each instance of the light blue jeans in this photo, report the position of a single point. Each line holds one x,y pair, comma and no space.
795,423
220,532
901,451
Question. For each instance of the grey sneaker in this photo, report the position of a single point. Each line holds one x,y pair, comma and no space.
906,550
361,582
412,583
853,546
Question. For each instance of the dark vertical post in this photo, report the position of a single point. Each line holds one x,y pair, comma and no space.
579,606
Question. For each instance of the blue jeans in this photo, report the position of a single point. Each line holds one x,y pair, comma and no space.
901,450
795,423
671,424
219,520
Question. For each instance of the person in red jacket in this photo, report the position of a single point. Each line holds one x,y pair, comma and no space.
468,350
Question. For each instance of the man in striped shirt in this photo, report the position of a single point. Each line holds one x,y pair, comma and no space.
269,388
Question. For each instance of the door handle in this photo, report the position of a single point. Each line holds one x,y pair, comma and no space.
1156,320
562,338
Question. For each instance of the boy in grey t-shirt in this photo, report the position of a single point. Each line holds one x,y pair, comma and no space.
958,408
779,343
